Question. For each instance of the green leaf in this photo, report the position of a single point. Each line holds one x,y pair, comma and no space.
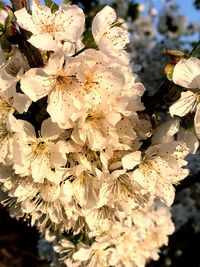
10,17
2,29
88,40
174,53
196,51
5,45
52,5
2,4
169,68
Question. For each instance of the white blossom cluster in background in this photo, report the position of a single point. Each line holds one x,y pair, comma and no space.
94,166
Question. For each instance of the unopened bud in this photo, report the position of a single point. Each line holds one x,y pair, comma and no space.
6,14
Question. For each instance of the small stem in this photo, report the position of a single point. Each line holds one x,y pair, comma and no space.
80,51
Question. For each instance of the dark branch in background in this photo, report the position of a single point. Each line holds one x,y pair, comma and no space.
151,102
197,4
19,4
188,181
32,54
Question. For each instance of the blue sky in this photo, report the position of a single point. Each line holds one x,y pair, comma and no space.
186,7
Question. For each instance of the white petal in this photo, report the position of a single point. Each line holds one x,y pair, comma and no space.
105,195
95,140
67,191
21,102
131,160
40,168
165,132
14,124
50,129
28,129
113,117
3,150
53,177
55,62
189,137
44,41
8,84
73,20
24,20
57,158
60,107
82,254
105,18
187,73
147,179
185,104
166,192
79,136
35,86
197,121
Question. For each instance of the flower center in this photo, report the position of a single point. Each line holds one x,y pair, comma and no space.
40,146
94,120
50,28
63,82
89,82
5,106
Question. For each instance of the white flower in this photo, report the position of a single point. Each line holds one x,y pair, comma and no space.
38,155
10,100
118,189
109,35
130,95
96,127
126,130
188,136
64,90
165,132
95,256
102,79
144,231
85,189
81,83
45,202
187,74
84,186
51,29
159,169
187,103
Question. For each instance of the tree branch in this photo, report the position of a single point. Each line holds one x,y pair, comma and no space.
19,4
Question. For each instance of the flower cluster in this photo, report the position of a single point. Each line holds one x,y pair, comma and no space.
78,153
